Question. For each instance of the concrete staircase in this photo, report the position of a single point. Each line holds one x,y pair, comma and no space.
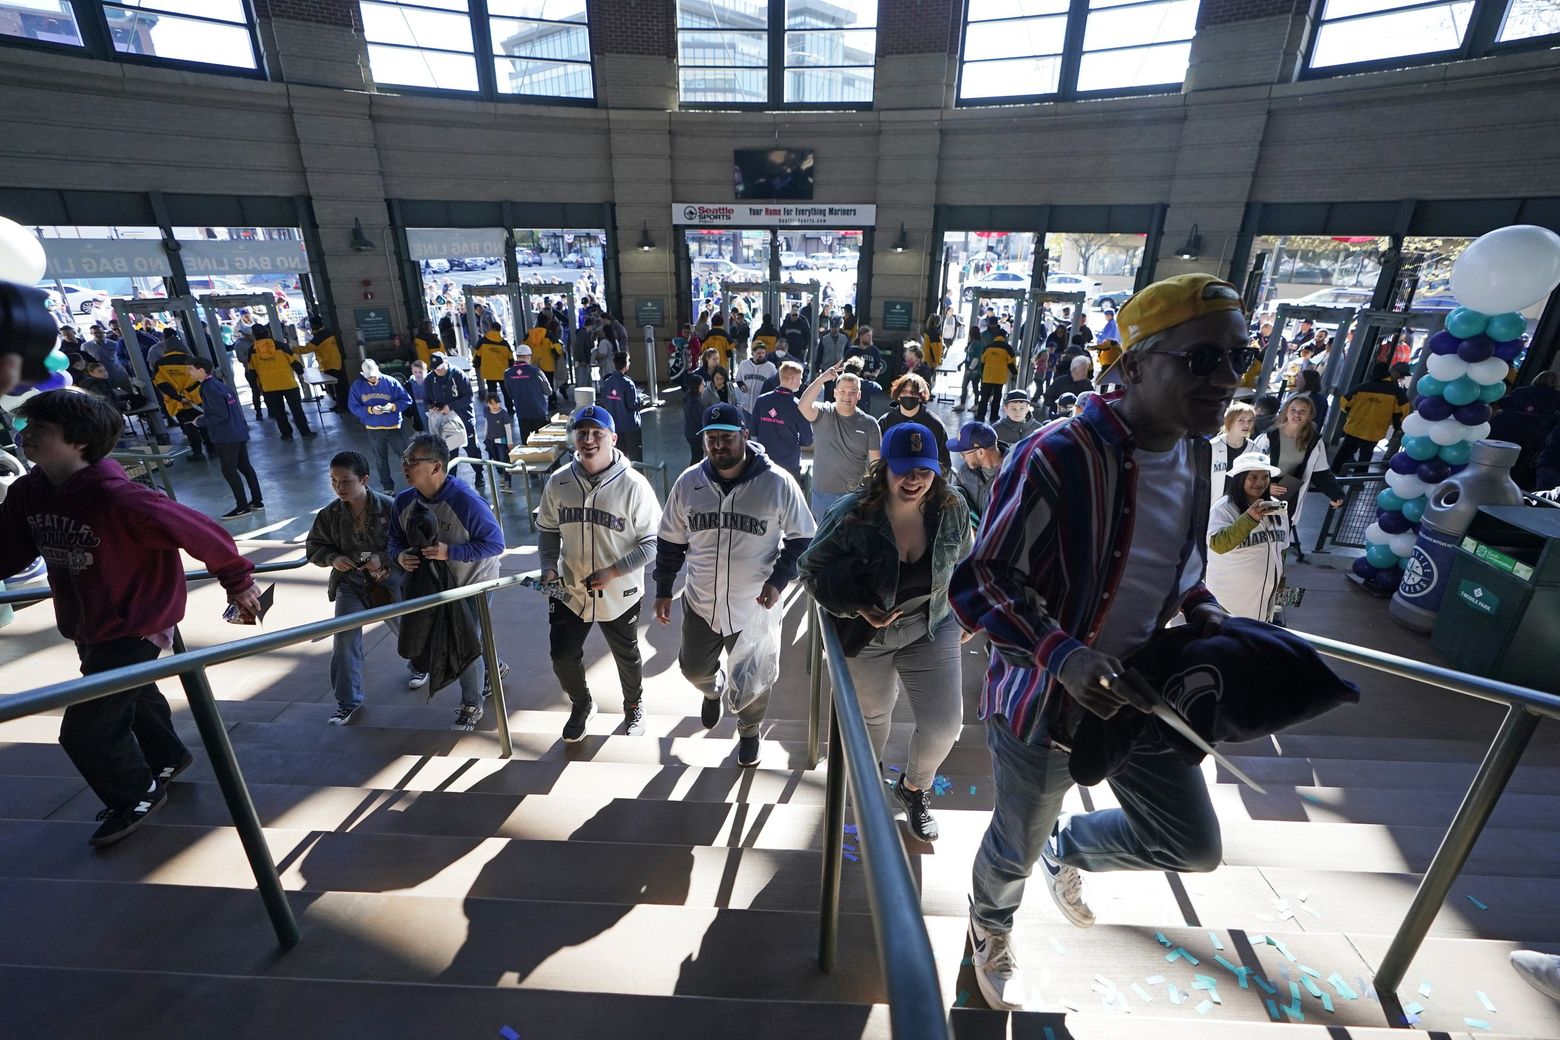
647,887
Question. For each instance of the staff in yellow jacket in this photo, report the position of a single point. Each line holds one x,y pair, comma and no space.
327,354
181,396
276,370
493,356
425,342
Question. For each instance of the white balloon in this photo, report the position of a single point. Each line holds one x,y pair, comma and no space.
1374,535
1447,431
1406,485
21,254
1508,269
1446,367
1489,371
1475,433
1403,544
1416,425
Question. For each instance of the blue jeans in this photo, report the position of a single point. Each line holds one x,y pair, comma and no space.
1166,822
346,659
822,500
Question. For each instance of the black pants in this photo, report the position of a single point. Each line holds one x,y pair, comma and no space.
255,396
274,400
990,400
566,642
338,389
200,440
632,444
695,450
1353,449
530,426
499,387
474,450
235,462
498,451
117,742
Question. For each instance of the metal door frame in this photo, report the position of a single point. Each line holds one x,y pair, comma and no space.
125,310
537,290
1039,301
512,291
774,292
1343,317
210,303
1020,310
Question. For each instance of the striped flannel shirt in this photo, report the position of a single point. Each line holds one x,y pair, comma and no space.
1049,557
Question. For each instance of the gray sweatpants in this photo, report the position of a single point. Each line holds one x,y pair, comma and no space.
699,659
927,666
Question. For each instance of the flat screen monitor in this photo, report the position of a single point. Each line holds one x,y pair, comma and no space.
773,173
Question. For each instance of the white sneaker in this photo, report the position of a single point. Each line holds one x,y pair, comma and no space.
1066,885
996,970
1539,970
415,680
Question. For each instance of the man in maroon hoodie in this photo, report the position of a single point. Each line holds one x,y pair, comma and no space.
112,549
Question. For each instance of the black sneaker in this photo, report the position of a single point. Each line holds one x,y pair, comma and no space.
167,773
747,751
256,506
286,436
581,713
634,719
236,512
709,713
416,680
118,823
467,717
342,716
309,435
918,811
487,682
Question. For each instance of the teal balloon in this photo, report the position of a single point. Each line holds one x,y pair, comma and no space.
1422,449
1461,391
1414,509
1391,501
1492,393
1456,454
1429,386
55,361
1465,324
1381,555
1502,327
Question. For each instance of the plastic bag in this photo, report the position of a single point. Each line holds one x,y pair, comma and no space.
754,663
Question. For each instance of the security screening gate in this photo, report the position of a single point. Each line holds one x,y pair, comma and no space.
183,307
512,292
212,303
1028,321
1375,328
531,296
774,295
1333,371
1035,337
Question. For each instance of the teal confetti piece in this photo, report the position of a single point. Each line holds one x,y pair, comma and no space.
1308,970
1281,948
1327,1003
1294,1012
1175,994
1142,993
1205,1007
1336,981
1294,993
1424,989
1050,1034
1413,1009
1061,951
1266,986
1478,903
1311,987
1413,1020
1173,954
1227,966
972,789
1477,1023
1488,1006
1213,938
1193,961
1312,798
508,1034
1162,940
1204,982
1272,1010
963,999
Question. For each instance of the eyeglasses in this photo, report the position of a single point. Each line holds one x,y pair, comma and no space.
1205,360
410,462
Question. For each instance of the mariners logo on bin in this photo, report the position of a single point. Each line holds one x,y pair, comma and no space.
1418,575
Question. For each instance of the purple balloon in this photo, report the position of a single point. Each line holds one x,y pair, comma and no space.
1508,350
1435,408
1458,468
52,381
1472,414
1403,462
1444,342
1365,569
1433,471
1476,349
1392,523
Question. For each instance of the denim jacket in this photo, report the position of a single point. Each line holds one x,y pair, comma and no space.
843,550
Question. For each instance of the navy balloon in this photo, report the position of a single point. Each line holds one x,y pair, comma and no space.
1365,569
1435,409
1476,349
1403,462
1444,342
1459,468
1509,350
1472,414
1433,472
1392,523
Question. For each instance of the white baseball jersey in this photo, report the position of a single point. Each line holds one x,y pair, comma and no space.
600,523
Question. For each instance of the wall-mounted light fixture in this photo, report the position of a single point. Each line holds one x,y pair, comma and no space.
360,242
646,243
903,241
1191,249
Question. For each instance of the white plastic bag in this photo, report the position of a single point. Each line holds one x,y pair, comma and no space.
754,663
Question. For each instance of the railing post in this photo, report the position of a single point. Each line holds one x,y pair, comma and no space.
815,667
833,842
506,741
1477,805
203,706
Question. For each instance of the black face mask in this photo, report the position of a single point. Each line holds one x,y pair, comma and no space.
909,404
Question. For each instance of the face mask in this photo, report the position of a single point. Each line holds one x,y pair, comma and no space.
909,404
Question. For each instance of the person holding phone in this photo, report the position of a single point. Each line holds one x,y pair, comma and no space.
1247,534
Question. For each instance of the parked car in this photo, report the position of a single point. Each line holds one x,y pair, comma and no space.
528,258
1057,281
578,260
795,262
79,298
1337,296
1107,299
438,265
829,262
996,280
720,267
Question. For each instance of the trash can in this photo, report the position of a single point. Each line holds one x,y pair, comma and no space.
1501,614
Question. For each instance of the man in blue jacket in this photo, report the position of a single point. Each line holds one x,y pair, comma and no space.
778,424
530,391
620,397
378,401
222,417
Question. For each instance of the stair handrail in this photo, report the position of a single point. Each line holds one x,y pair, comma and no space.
189,666
915,1004
40,593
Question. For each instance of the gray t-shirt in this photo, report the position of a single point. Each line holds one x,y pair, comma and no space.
840,446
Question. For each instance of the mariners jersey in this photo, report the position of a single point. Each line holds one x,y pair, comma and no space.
600,524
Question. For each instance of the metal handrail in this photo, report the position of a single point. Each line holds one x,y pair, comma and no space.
43,592
190,668
915,1003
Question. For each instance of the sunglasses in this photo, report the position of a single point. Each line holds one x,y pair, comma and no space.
409,462
1205,360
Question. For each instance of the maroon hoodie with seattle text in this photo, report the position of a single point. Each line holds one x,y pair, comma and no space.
112,548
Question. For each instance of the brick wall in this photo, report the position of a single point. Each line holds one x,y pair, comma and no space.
918,26
322,12
643,27
1223,12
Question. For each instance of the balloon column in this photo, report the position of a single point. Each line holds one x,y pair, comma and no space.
22,261
1465,372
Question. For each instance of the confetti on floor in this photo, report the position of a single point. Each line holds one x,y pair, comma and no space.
1267,987
1336,981
1308,908
1488,1004
1061,951
1160,936
1272,1010
1478,903
1050,1034
1155,980
1312,798
1175,994
972,789
1306,969
1477,1023
1294,1012
1205,1007
1311,987
1424,989
1327,1003
1213,938
1413,1009
508,1034
1142,993
966,963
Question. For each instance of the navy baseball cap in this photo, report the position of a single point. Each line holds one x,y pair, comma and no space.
1017,395
909,446
974,435
727,417
593,414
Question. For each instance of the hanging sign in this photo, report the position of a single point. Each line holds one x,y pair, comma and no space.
241,257
443,243
772,214
105,257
